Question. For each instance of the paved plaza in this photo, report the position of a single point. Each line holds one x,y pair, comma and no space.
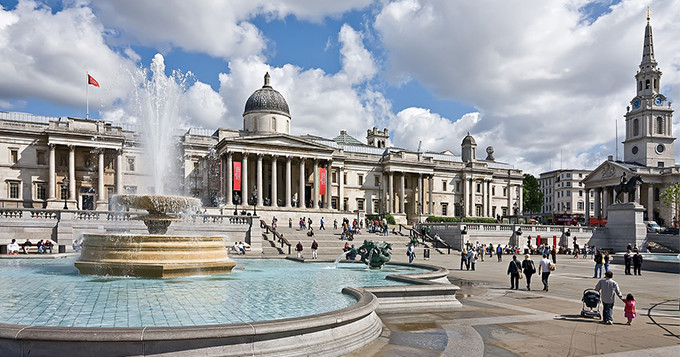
497,321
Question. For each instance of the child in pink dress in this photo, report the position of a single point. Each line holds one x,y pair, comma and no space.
629,309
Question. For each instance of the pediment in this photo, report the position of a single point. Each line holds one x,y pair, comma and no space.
277,142
608,171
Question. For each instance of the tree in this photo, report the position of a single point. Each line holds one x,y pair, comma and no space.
533,197
671,198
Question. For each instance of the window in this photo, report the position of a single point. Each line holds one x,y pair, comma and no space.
505,192
376,207
13,156
40,191
40,157
360,204
443,185
493,190
344,177
360,179
197,168
568,175
131,163
580,193
580,175
580,205
345,204
568,205
504,211
568,184
376,181
13,189
478,210
636,127
479,187
273,123
445,209
659,164
457,186
334,203
334,177
659,125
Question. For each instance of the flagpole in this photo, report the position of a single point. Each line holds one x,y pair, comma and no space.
87,96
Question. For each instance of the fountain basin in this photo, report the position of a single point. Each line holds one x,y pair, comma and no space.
153,256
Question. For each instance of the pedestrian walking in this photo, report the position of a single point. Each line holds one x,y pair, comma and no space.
637,263
627,261
315,247
335,223
544,270
629,309
553,254
529,269
599,260
321,226
298,249
473,258
608,288
499,253
411,252
514,270
606,259
463,257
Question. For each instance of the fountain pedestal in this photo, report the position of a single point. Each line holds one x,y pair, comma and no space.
153,255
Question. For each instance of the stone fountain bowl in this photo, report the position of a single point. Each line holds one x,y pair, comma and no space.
159,204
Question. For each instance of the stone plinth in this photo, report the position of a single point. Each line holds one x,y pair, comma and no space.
624,225
153,255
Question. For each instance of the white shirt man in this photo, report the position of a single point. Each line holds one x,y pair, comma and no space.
544,269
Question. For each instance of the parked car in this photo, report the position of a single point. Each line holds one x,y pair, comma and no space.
671,230
652,227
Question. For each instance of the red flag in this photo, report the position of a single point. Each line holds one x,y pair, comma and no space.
237,176
322,179
92,81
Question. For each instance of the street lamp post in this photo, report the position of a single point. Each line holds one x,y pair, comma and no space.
237,200
64,187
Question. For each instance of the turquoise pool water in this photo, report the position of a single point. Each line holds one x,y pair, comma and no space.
53,293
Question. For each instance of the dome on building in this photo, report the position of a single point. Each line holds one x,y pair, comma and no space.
469,140
267,100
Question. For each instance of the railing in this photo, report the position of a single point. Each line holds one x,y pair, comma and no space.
277,236
14,213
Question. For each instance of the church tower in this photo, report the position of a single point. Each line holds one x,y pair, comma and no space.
649,134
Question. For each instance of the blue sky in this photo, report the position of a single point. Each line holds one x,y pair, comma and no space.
537,80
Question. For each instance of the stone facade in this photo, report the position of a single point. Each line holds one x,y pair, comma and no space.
564,195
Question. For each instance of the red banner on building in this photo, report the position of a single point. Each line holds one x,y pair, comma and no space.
322,181
237,176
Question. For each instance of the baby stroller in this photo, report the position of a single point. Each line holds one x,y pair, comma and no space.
591,303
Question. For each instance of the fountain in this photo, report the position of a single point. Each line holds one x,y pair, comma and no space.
155,254
374,255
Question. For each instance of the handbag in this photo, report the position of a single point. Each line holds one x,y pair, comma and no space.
551,267
519,271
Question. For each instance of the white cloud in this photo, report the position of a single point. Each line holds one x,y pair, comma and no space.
204,106
221,29
45,55
413,125
547,83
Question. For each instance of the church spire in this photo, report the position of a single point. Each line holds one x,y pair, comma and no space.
648,61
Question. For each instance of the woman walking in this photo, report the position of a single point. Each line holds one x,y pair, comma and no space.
529,269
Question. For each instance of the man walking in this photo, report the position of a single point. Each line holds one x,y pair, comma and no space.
315,247
321,224
599,259
607,288
544,270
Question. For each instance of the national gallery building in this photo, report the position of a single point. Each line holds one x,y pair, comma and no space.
57,162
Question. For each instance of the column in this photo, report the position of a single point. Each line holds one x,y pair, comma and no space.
289,182
638,192
402,203
605,201
301,193
100,186
315,191
510,206
119,171
484,193
244,179
275,184
466,197
598,203
260,191
52,174
520,198
390,200
329,167
341,188
430,204
587,214
650,202
488,199
72,172
230,179
420,208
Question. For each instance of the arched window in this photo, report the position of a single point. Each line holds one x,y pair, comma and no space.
636,127
659,125
273,123
656,85
647,84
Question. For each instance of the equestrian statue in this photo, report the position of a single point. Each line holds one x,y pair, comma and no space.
626,186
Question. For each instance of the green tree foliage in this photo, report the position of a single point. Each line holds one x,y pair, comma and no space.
671,198
533,197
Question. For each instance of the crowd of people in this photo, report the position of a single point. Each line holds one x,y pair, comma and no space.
43,246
